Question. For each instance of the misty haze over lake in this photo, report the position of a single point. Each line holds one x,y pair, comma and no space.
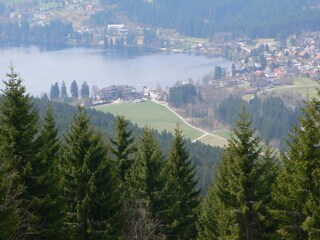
39,69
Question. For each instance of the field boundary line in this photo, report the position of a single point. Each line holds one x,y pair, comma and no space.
205,133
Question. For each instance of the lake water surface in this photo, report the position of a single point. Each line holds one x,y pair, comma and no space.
39,69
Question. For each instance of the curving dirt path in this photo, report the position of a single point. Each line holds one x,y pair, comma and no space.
205,133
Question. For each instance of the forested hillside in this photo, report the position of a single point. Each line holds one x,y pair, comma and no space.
55,33
203,18
272,119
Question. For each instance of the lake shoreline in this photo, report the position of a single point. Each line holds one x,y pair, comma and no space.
41,68
128,49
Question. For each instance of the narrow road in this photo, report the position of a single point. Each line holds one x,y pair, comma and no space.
205,133
287,87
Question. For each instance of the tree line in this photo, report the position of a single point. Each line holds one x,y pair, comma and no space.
55,33
60,93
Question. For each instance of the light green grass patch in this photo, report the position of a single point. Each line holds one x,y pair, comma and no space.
304,81
214,141
303,86
222,133
150,114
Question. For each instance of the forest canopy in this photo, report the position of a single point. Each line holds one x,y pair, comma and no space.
203,18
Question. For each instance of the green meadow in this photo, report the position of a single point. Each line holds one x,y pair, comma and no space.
150,114
158,117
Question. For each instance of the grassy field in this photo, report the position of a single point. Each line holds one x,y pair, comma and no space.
222,133
152,115
213,141
303,86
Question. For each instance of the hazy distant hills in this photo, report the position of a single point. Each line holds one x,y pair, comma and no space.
203,18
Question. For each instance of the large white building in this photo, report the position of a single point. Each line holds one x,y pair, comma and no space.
117,91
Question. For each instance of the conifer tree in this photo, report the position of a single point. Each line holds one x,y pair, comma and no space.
146,184
84,91
54,91
182,199
47,204
213,221
297,191
63,91
74,90
238,201
89,183
9,202
19,121
123,146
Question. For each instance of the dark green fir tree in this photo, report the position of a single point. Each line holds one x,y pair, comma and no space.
89,183
74,90
237,203
145,187
9,202
297,191
183,198
85,91
63,91
123,146
18,128
47,204
55,92
214,220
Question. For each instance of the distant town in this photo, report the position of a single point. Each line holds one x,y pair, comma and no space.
260,64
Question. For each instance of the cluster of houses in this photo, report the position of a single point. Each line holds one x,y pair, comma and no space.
272,64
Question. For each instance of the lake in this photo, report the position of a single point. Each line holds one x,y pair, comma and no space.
41,68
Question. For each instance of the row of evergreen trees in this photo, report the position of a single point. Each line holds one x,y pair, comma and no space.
79,187
57,93
255,195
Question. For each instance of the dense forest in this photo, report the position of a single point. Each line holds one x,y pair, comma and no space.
63,180
179,96
55,33
272,119
203,18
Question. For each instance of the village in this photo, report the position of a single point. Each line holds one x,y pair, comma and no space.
263,65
